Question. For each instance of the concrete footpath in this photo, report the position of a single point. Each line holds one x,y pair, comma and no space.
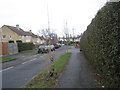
77,73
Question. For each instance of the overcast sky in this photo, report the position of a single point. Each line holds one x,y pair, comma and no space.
32,14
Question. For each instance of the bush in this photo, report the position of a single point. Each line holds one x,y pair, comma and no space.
11,41
101,41
25,46
18,41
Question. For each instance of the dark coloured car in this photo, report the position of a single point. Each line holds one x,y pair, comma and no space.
42,49
56,46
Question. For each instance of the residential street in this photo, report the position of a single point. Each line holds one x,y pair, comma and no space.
78,73
18,72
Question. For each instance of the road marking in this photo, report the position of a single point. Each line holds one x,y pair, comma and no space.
29,61
33,59
25,62
6,69
23,56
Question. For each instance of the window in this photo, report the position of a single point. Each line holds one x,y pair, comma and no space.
27,37
11,37
22,37
4,37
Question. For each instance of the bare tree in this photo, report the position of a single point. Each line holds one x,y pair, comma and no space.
51,38
66,32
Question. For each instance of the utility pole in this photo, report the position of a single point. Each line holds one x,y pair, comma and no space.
48,16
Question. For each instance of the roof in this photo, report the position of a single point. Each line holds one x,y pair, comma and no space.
20,31
31,34
42,38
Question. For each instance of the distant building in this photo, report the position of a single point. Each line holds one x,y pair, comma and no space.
70,38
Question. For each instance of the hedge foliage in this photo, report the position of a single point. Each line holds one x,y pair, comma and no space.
25,46
101,44
19,41
11,41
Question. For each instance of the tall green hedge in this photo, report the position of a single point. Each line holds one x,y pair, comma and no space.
25,46
101,44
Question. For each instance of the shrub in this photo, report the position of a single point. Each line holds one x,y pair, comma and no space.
101,41
25,46
18,41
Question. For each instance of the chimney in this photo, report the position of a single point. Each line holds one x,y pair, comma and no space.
30,31
17,26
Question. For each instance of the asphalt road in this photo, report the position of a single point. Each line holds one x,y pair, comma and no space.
18,72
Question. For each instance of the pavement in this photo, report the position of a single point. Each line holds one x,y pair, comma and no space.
77,73
16,73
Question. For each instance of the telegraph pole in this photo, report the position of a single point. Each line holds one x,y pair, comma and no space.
48,16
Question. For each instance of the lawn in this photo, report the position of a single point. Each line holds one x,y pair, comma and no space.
6,59
44,80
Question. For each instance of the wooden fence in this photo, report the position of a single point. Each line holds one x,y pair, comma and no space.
3,48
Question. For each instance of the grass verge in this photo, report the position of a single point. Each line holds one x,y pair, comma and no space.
44,80
6,59
32,53
69,48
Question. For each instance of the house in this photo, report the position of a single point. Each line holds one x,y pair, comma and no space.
8,33
13,33
32,37
16,33
41,40
36,39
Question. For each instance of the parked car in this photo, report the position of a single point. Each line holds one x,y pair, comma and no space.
52,47
62,44
47,48
59,44
56,46
42,49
